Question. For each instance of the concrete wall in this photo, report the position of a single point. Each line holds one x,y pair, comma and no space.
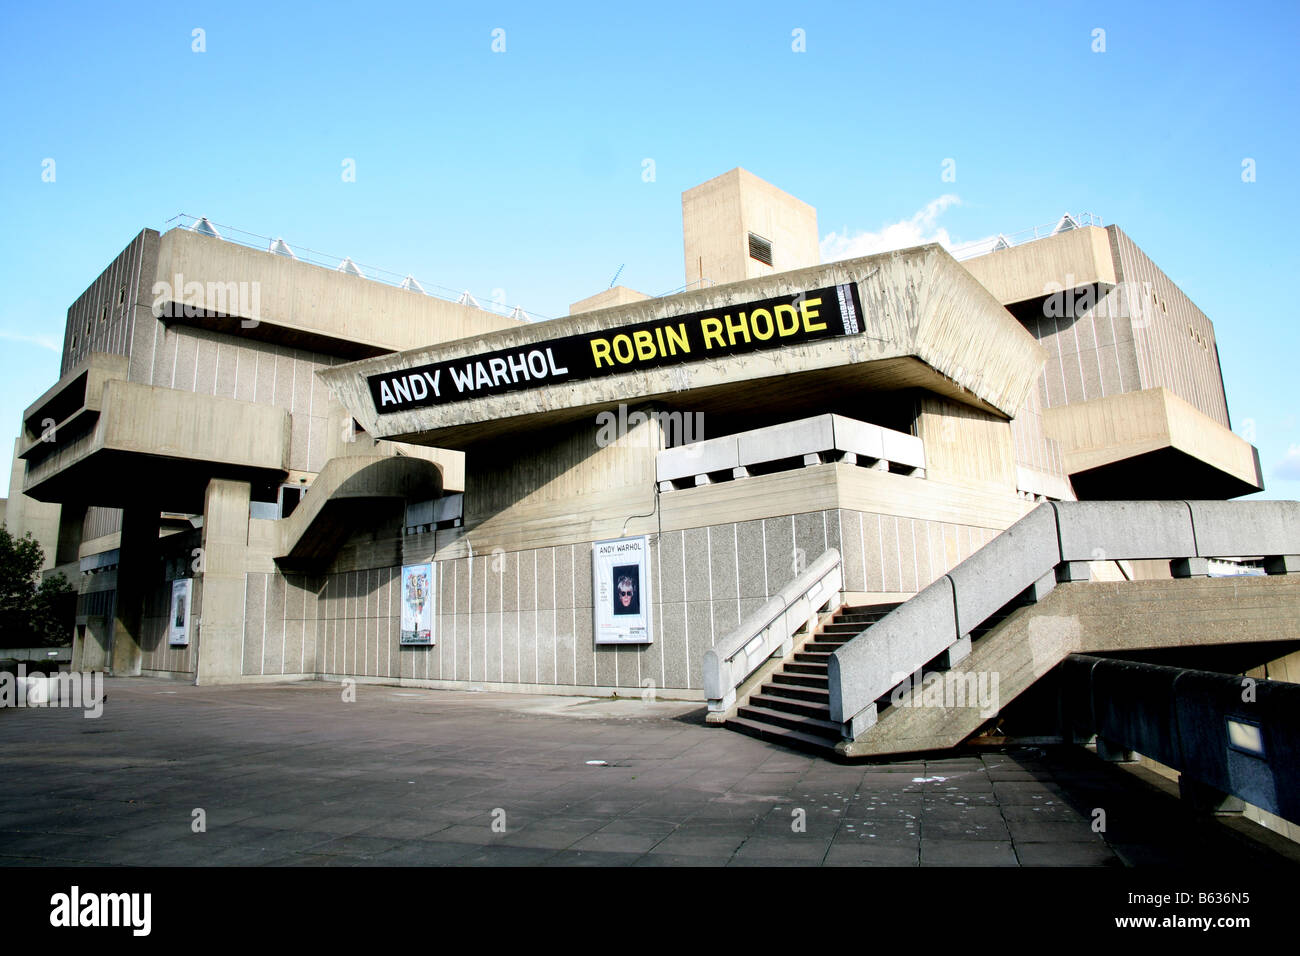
212,363
523,619
114,310
1175,343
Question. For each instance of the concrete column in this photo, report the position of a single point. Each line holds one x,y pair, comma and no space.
1190,567
1073,571
136,572
1207,799
90,645
225,551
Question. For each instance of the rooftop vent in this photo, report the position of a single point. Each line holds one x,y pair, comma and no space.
1001,242
1067,223
281,248
411,284
520,314
350,267
205,228
467,299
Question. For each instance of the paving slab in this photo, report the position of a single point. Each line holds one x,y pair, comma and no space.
290,775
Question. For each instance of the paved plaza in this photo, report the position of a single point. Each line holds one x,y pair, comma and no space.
294,775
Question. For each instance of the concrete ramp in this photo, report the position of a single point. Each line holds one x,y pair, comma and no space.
1244,618
350,493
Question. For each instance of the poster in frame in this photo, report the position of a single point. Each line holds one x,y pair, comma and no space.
178,621
418,598
620,588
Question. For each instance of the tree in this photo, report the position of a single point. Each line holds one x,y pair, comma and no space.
33,612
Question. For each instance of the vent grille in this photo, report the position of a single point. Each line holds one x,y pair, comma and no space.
760,249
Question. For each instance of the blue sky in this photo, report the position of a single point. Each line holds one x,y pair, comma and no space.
521,171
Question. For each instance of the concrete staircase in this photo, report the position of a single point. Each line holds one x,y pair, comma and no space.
793,706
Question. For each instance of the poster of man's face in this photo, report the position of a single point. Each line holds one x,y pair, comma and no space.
627,589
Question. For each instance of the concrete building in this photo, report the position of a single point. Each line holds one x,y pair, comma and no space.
806,482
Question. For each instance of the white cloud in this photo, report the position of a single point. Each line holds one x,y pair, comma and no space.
920,229
1289,467
44,341
917,230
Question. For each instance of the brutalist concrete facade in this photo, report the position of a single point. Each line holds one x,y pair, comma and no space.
205,386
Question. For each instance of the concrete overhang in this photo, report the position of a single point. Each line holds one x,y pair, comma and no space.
226,287
70,403
927,324
158,444
1071,260
1151,444
349,493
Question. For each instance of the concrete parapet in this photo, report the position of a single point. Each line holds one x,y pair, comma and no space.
699,458
1009,564
808,436
1238,528
864,669
1128,530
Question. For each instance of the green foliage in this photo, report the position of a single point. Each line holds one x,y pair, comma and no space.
33,612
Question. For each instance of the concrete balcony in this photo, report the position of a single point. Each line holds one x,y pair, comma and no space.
254,294
1151,444
70,405
1071,260
129,442
797,444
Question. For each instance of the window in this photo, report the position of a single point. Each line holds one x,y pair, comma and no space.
760,249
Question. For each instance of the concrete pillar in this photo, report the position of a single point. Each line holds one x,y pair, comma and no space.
1208,799
955,654
90,645
1190,567
1068,571
225,550
137,571
1042,587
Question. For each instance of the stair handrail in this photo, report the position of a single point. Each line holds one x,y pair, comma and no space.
1056,541
817,589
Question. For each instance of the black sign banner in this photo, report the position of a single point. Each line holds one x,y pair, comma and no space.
746,327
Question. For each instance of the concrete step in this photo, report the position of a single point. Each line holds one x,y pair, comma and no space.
797,722
772,699
805,667
812,657
779,735
813,695
823,647
802,680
